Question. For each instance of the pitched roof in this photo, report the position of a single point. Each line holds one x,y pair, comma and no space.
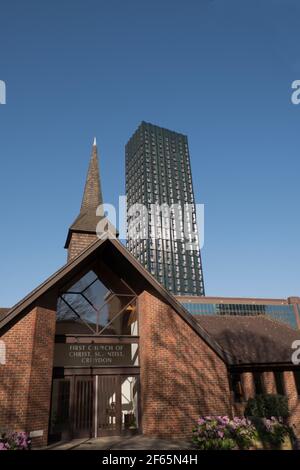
86,222
120,259
3,310
251,339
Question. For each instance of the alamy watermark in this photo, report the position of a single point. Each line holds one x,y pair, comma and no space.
176,222
295,97
296,353
2,92
2,353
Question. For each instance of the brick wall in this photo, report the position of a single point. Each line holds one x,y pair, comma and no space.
25,379
248,391
181,377
293,399
80,242
248,385
269,382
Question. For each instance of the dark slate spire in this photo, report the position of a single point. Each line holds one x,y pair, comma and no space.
87,220
92,196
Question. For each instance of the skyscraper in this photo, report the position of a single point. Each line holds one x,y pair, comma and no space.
158,172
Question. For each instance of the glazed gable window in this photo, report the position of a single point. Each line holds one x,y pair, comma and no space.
92,306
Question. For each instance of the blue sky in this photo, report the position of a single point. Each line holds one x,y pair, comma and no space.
219,71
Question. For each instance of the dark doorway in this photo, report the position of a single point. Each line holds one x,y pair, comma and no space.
82,407
94,406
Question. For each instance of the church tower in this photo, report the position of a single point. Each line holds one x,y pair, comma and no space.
82,233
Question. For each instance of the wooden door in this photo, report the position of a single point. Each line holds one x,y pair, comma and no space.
83,407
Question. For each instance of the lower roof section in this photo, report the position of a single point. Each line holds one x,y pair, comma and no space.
251,340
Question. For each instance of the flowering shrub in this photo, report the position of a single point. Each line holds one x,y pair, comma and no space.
269,415
15,441
272,430
222,433
268,405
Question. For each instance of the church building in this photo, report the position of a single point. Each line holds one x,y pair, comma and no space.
101,348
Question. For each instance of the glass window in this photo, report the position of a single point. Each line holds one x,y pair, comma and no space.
90,307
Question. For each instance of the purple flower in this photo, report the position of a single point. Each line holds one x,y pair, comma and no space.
15,441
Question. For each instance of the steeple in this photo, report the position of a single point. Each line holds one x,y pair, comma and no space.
92,196
83,230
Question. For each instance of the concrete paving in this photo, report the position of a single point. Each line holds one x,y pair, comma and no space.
124,443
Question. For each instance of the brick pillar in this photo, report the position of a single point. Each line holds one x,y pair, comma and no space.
25,379
293,401
15,374
248,385
238,409
41,375
269,382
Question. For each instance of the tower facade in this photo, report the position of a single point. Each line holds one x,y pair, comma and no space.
158,177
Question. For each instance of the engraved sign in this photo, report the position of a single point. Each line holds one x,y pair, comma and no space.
92,355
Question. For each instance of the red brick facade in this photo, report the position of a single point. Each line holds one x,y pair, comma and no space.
25,379
293,399
181,377
269,382
80,242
